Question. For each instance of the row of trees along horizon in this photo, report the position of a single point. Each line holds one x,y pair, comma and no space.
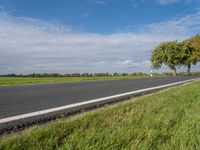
176,53
41,75
76,74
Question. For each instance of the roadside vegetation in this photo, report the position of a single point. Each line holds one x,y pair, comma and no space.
176,54
168,119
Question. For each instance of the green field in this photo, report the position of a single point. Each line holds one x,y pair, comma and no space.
11,81
169,119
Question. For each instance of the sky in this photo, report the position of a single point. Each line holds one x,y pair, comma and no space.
67,36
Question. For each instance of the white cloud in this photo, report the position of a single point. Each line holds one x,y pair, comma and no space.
99,2
101,63
131,63
166,2
30,45
180,26
86,15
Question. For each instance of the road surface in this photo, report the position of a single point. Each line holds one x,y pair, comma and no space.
32,103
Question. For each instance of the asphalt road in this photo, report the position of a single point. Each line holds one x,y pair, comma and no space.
19,100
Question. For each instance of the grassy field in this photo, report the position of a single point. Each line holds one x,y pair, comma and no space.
169,119
11,81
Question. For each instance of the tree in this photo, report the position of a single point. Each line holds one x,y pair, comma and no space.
169,54
195,42
189,55
194,56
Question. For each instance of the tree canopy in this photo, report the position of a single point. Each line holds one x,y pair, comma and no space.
189,54
195,42
174,54
168,54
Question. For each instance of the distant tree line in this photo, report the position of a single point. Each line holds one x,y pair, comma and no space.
75,74
176,54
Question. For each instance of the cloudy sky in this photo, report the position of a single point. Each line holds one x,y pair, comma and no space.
65,36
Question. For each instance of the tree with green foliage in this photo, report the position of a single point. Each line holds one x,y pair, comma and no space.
169,54
189,55
192,51
195,42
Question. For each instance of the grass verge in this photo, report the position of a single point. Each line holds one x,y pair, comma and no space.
169,119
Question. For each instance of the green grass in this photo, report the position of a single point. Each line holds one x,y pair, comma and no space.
169,119
12,81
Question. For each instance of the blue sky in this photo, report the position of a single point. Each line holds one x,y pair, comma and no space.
90,35
101,16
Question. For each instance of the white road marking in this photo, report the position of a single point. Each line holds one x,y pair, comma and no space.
46,111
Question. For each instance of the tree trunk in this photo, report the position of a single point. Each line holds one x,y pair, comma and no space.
188,69
174,71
